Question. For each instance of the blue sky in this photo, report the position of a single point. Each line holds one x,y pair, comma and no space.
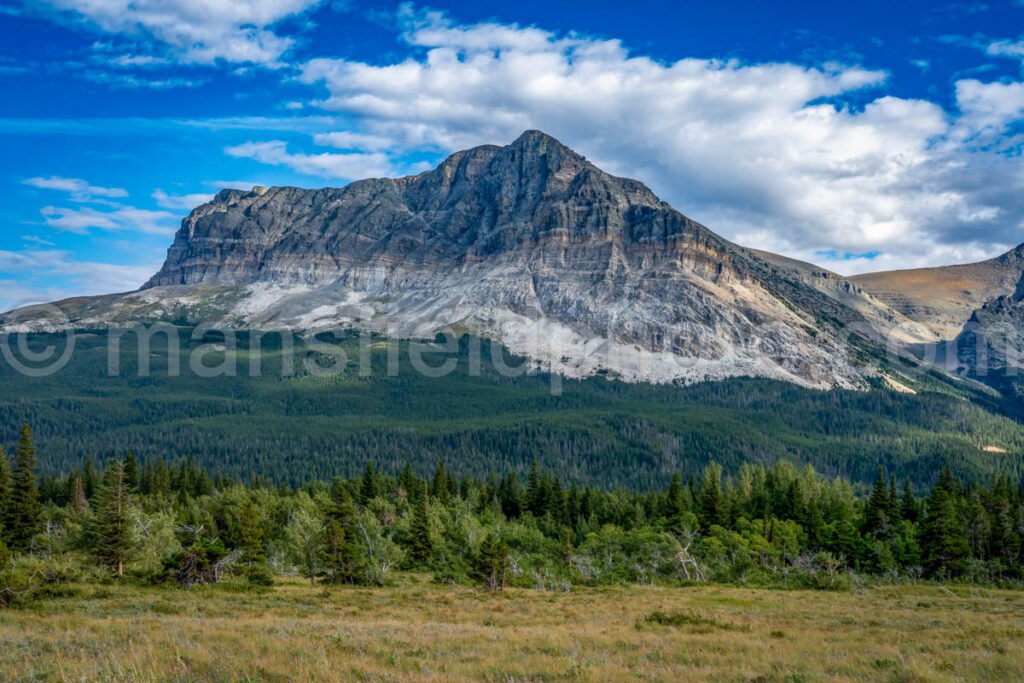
862,135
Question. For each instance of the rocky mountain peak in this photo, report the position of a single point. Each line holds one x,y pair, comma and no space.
529,244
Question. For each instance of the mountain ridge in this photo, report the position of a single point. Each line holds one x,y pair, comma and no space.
531,245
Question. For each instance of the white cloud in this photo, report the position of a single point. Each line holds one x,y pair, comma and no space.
184,202
123,218
80,190
49,274
350,140
338,166
197,31
759,152
1006,48
989,108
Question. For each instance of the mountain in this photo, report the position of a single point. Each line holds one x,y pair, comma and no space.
943,299
528,244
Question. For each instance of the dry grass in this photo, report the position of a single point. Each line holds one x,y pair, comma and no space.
421,632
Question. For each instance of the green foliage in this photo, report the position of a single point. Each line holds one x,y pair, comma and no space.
23,517
420,540
112,541
780,525
295,430
491,563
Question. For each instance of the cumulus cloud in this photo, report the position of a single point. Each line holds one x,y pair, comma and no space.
183,202
81,220
80,190
326,165
35,273
197,31
766,154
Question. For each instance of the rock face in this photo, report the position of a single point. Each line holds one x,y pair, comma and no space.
528,244
944,299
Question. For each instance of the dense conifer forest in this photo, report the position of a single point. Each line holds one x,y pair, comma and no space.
156,522
597,432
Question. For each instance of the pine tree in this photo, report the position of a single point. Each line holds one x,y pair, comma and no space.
492,563
894,509
76,494
24,512
440,488
131,471
944,541
674,505
876,512
711,496
368,486
110,526
420,544
340,558
251,533
407,482
90,480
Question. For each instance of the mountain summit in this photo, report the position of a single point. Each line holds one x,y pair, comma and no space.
529,244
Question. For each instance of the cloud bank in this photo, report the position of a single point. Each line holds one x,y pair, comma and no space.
766,154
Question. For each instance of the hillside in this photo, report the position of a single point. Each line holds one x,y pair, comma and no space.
596,431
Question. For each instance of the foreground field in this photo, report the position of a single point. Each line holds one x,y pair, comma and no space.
423,632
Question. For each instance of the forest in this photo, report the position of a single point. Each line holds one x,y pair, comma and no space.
154,522
597,432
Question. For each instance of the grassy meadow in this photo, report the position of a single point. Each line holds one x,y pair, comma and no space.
421,631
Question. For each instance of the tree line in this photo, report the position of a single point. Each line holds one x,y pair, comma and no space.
155,521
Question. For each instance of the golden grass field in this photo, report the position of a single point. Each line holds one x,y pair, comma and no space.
418,631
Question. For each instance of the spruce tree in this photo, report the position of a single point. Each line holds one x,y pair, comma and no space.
76,494
368,485
876,512
24,512
944,540
90,480
340,558
131,471
711,496
492,563
251,533
440,488
420,544
674,505
110,526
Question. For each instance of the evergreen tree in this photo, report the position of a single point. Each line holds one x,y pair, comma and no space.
407,482
711,497
440,488
90,480
24,512
76,494
251,533
131,471
876,512
368,485
110,525
341,561
944,541
674,505
420,543
492,563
